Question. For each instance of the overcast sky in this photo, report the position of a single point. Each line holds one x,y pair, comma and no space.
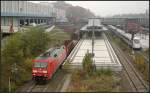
108,8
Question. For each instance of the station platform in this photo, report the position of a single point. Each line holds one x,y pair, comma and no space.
104,57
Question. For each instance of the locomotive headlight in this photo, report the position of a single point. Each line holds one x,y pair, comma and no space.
34,71
45,71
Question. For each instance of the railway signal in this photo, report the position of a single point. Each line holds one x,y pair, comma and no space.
14,69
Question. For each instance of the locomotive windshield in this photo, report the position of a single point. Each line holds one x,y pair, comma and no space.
136,41
40,64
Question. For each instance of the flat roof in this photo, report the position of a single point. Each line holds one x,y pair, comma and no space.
84,28
100,51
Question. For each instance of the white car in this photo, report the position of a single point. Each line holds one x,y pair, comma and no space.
33,24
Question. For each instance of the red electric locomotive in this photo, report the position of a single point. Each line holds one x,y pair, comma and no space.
45,65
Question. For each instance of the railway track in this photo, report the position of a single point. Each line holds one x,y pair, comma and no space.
56,83
75,50
136,81
53,85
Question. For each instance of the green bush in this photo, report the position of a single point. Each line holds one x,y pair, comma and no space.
28,64
76,75
87,63
105,82
35,40
20,48
141,65
57,36
103,71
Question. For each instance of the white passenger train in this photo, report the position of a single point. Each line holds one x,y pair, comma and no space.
127,37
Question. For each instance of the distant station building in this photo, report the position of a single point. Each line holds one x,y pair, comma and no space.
94,26
141,19
59,14
15,14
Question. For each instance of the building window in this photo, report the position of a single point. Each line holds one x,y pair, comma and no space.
4,20
21,9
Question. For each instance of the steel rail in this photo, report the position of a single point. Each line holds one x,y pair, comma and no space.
135,78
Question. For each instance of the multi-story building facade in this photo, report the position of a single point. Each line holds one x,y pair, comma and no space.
121,21
147,12
15,14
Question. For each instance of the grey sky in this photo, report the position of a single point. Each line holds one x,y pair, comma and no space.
108,8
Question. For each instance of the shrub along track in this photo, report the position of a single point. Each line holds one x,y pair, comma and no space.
136,81
146,58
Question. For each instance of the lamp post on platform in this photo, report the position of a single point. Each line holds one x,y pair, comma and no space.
93,37
93,34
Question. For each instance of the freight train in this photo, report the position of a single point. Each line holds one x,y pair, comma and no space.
46,64
127,37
